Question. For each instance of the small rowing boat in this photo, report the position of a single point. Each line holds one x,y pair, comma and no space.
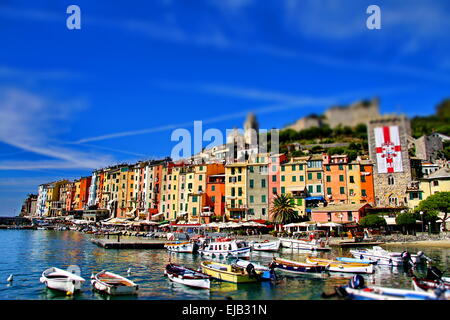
337,266
230,273
68,281
271,246
267,273
426,285
355,260
113,284
296,267
382,256
186,276
180,246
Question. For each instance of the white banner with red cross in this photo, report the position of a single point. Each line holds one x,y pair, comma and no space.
388,149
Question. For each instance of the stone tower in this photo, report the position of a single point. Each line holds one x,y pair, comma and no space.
251,129
388,148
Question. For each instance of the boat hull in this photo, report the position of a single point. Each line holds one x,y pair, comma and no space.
336,266
271,246
113,284
378,258
219,272
294,267
61,280
182,247
195,283
304,245
380,293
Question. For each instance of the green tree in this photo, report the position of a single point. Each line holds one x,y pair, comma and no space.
443,109
282,210
407,220
372,221
438,202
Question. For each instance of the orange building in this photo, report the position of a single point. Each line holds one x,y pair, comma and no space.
335,173
215,194
85,183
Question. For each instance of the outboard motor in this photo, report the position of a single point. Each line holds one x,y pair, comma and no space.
251,270
356,282
433,273
407,262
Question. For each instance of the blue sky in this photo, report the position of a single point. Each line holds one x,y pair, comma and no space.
72,101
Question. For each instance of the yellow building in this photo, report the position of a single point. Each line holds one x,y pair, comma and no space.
236,205
53,205
438,181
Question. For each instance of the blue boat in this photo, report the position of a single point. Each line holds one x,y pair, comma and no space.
354,260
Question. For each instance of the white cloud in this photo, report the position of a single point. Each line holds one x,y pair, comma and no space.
31,122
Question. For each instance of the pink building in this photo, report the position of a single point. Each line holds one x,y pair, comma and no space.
340,213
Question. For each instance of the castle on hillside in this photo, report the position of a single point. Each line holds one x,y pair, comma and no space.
352,115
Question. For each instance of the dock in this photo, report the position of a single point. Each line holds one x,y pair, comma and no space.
129,243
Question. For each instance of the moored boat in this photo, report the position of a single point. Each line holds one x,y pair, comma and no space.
230,273
186,276
113,284
426,285
379,255
358,291
296,267
181,246
271,246
337,266
305,244
225,247
68,281
355,260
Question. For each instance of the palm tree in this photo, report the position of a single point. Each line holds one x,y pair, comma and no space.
282,210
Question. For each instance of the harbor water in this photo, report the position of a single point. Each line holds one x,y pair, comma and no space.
26,253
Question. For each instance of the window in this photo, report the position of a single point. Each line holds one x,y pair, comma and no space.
341,167
301,167
363,178
310,189
274,178
213,188
274,168
283,168
327,167
342,190
283,189
263,211
233,192
352,179
309,176
391,180
213,199
350,216
351,192
263,199
319,189
252,199
328,190
350,167
194,198
200,177
328,178
294,178
263,183
435,183
239,178
194,211
319,175
239,191
274,190
341,177
283,178
363,193
250,169
302,178
293,167
252,183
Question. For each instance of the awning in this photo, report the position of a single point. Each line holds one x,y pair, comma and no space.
182,213
300,224
329,224
315,198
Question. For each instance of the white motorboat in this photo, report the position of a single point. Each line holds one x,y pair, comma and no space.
180,246
304,244
225,247
383,293
186,276
384,257
67,281
267,245
113,284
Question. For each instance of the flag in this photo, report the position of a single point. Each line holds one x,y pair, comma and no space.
388,149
